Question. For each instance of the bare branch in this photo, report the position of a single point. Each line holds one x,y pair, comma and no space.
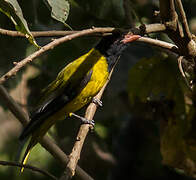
186,30
58,154
48,144
52,33
149,28
37,34
56,42
168,13
33,168
182,72
169,17
83,131
161,44
50,46
13,106
187,47
152,28
146,29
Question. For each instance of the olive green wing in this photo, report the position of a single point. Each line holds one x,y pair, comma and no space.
67,85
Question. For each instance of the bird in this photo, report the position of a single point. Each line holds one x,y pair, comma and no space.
74,87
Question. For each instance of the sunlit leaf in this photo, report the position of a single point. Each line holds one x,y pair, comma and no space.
59,10
12,9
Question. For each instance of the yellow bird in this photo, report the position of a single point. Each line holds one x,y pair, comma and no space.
74,87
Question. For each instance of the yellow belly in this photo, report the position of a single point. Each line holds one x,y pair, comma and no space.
98,79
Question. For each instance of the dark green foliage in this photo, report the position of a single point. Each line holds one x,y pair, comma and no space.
143,121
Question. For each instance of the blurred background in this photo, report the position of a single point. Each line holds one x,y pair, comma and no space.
129,139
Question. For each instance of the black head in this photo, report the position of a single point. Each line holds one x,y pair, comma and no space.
113,45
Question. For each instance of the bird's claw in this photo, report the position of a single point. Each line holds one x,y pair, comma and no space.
97,101
83,119
86,121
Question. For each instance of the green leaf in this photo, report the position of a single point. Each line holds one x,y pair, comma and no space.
12,9
154,78
59,10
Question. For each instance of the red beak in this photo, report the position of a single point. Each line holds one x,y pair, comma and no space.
130,38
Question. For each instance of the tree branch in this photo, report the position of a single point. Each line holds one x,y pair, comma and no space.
33,168
151,28
143,29
161,44
56,42
52,33
168,13
83,131
37,34
187,47
58,154
76,150
169,17
51,147
46,143
186,30
183,74
50,46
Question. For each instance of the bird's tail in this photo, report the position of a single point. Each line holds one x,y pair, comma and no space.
20,148
26,155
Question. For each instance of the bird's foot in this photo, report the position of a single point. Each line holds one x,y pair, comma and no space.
98,102
83,120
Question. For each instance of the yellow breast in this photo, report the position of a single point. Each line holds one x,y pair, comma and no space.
98,79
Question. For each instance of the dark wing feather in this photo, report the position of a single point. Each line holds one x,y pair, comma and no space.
53,105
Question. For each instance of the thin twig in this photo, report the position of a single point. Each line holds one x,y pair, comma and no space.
152,28
13,106
174,30
58,154
185,25
83,131
46,142
50,46
160,44
52,33
182,72
33,168
55,43
170,18
168,12
149,28
36,33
